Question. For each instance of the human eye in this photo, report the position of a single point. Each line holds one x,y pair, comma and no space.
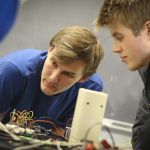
119,37
53,63
68,74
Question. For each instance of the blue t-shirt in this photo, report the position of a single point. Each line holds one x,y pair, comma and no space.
20,74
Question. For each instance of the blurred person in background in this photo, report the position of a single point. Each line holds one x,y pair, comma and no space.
8,13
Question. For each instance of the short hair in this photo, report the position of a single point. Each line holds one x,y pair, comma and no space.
130,13
78,43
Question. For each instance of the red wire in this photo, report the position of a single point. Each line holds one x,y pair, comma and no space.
49,123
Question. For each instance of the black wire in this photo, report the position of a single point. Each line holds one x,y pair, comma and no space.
106,128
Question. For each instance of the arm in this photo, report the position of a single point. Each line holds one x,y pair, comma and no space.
1,116
141,117
10,85
143,111
93,83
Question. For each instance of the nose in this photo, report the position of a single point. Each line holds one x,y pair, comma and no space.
54,76
116,47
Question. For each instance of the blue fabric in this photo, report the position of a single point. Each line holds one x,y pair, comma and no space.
8,12
20,88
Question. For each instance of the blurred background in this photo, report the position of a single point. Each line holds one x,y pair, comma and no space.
38,20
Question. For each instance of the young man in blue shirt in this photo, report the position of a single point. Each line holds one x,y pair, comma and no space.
47,82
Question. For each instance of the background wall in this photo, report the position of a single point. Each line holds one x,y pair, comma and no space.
39,20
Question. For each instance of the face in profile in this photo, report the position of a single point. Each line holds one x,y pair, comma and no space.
57,77
133,50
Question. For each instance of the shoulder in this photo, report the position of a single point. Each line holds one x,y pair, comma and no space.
94,83
25,54
144,73
96,79
26,61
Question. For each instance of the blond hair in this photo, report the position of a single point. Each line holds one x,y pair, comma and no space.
130,13
78,43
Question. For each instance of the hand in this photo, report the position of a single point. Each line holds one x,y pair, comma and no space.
1,116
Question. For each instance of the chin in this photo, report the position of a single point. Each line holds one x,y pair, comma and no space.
49,93
134,67
46,92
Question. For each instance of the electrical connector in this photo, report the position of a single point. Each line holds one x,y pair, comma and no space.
105,144
88,145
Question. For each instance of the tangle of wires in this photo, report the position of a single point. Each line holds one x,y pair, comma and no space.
8,143
26,138
25,120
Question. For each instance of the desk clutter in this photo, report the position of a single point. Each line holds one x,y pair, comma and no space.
18,138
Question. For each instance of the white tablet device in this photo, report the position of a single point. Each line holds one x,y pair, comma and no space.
88,116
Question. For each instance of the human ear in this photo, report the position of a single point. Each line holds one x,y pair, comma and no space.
147,27
51,48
